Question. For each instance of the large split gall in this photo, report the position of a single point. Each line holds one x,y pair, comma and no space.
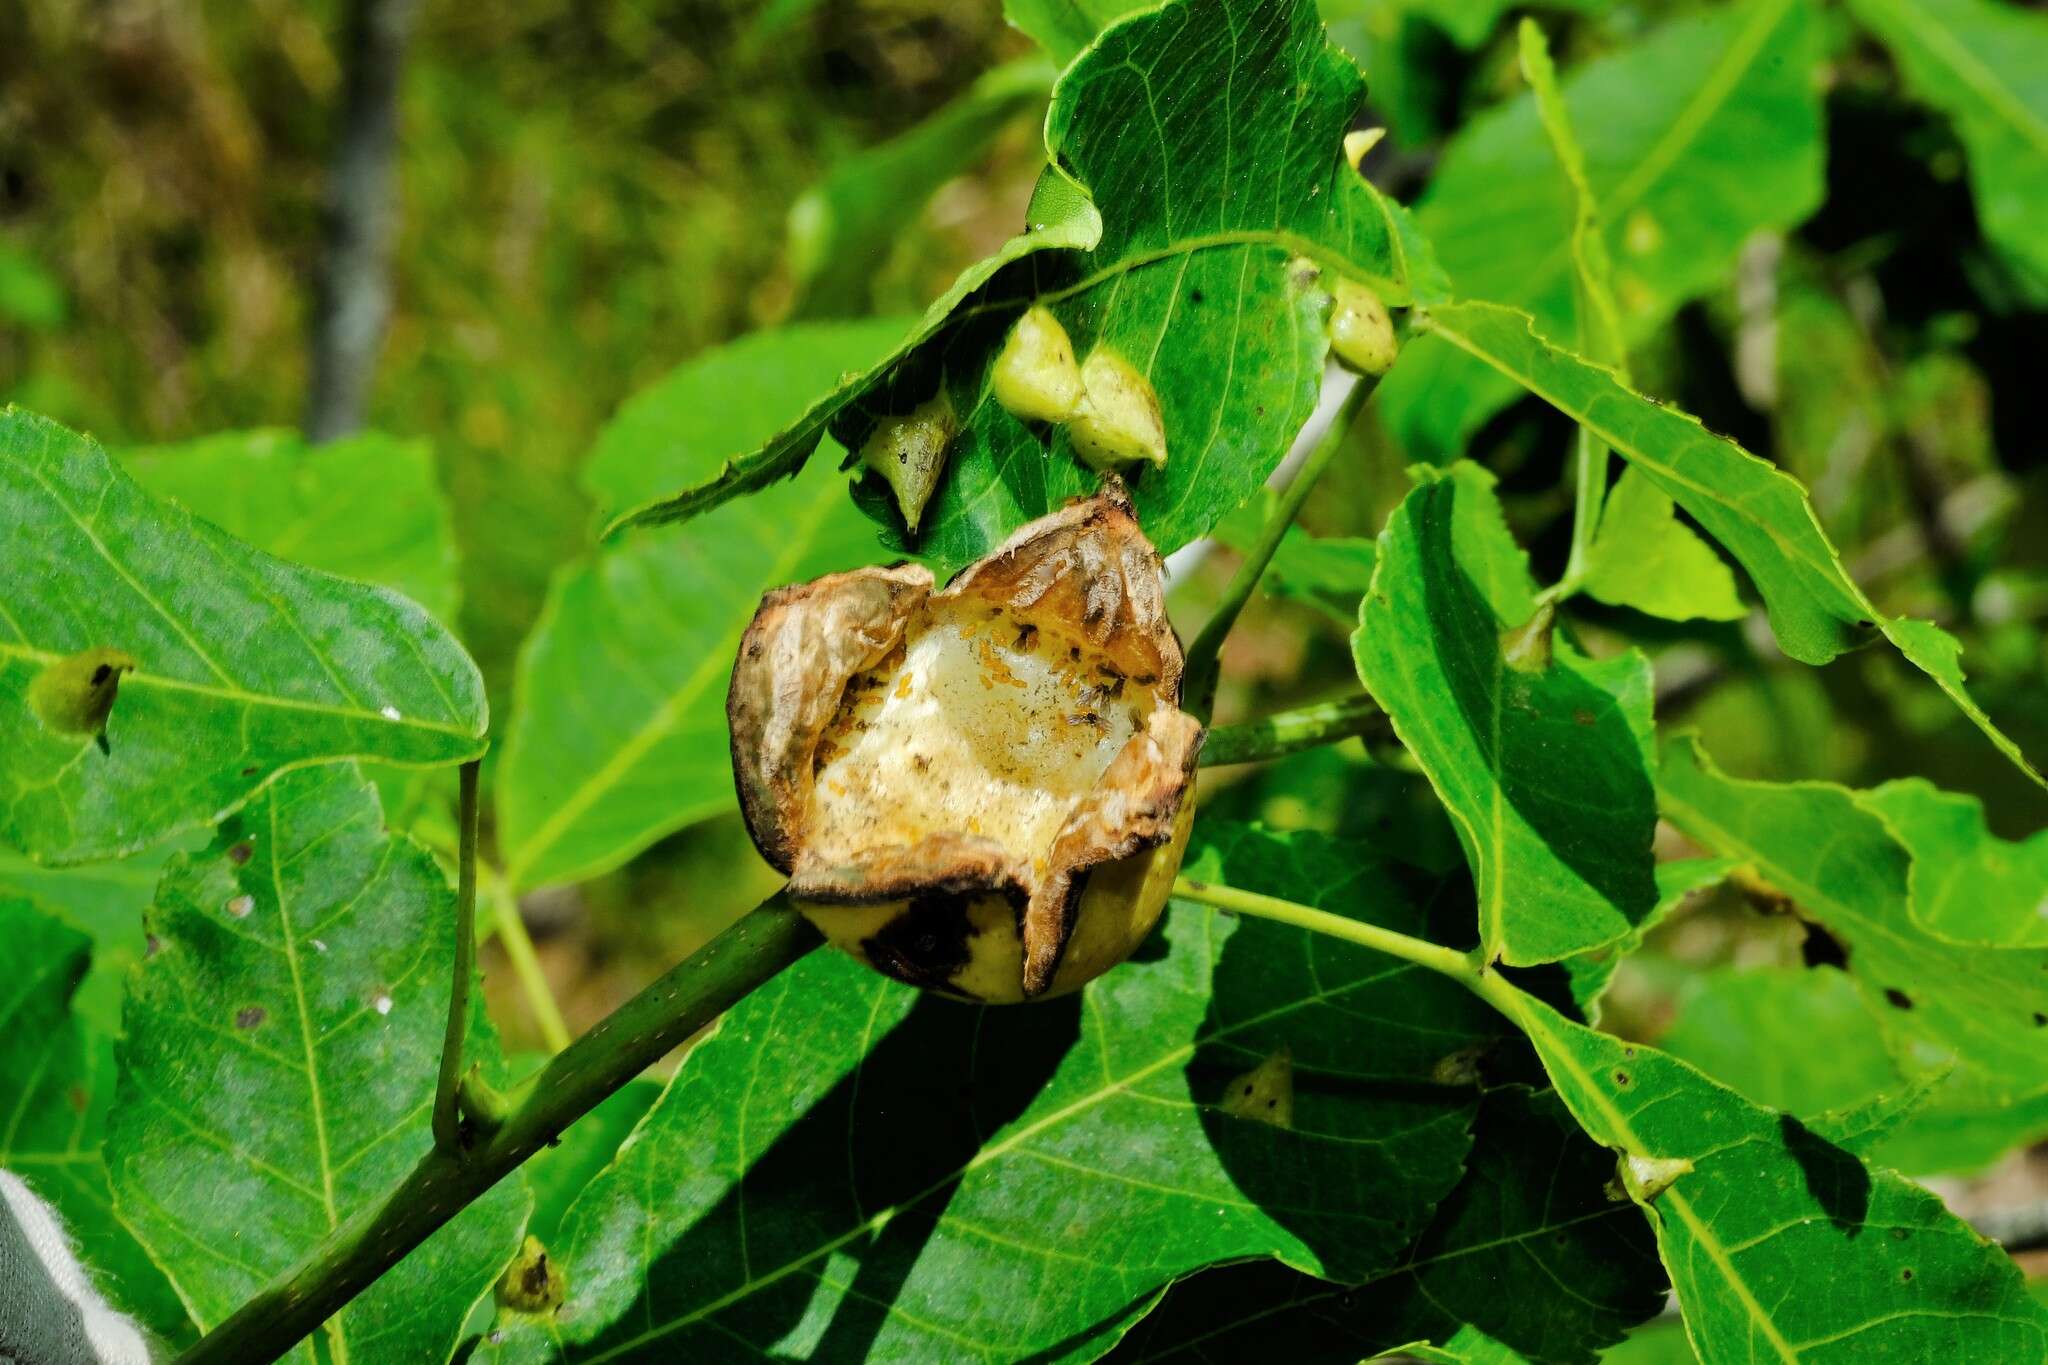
984,790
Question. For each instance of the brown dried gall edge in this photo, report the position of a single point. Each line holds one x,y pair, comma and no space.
983,790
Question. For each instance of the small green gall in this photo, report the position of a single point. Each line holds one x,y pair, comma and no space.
1646,1177
1036,378
75,695
910,453
1361,331
1119,422
532,1283
1526,647
1265,1094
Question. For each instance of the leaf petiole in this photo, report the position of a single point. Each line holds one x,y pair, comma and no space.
447,1113
1460,967
1204,656
1290,732
1467,969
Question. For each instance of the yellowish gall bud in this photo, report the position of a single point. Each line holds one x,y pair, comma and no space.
1119,422
910,453
75,695
1359,142
1361,331
1265,1094
532,1283
1036,378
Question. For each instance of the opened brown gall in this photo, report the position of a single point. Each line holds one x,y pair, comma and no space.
983,790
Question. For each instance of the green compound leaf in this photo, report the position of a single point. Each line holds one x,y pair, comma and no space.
1980,1007
1644,557
1798,1039
56,1084
106,900
1469,1346
1810,1042
1694,138
245,665
601,762
366,507
1544,764
1760,514
1968,885
843,230
1641,555
1592,972
1166,230
558,1173
1064,27
1781,1244
900,1177
1599,317
725,401
1980,63
1939,655
280,1063
1532,1213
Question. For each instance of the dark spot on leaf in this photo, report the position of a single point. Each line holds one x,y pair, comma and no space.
1583,717
77,1098
1906,1275
240,853
251,771
2040,1019
1622,1078
1822,949
1897,998
1194,296
251,1017
1629,1052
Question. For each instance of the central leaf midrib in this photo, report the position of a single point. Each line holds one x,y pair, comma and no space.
1703,1235
141,677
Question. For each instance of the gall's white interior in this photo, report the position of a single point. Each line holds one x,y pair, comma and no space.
979,724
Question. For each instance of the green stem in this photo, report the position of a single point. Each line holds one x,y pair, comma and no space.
447,1115
540,998
1290,732
1204,656
1467,969
631,1039
1450,962
1589,494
